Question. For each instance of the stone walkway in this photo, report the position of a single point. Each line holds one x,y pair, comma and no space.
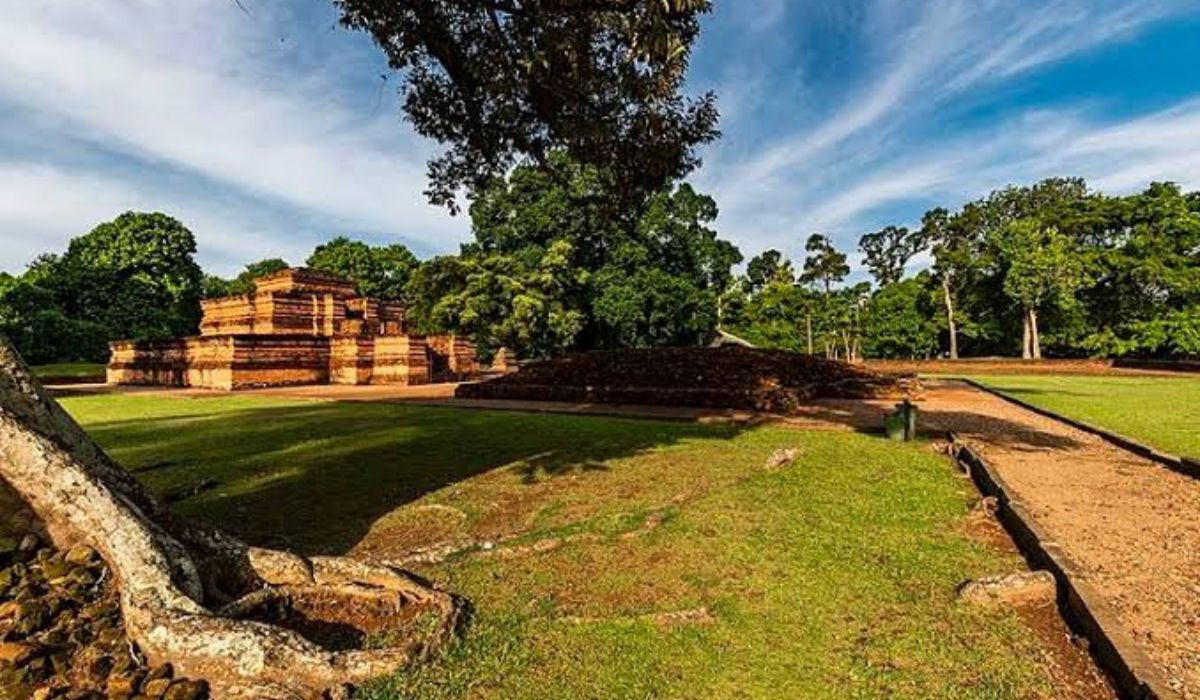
1130,524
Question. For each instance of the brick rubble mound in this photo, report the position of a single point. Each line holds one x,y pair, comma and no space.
729,377
61,634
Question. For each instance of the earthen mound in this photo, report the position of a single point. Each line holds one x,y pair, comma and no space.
729,377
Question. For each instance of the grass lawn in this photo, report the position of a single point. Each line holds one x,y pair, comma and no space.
70,369
833,578
1160,411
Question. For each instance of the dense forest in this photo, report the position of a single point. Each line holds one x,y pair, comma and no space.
555,265
1049,269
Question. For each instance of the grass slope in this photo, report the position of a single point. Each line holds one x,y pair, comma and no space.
1160,411
833,578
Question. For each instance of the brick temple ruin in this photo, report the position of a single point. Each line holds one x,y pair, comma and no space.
300,326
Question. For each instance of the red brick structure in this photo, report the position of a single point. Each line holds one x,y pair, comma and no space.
300,326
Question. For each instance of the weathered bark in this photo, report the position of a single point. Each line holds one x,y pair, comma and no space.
808,329
1031,341
1035,339
950,323
187,591
1026,346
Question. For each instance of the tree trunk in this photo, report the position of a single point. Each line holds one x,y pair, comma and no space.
808,328
1026,338
1035,340
949,299
198,598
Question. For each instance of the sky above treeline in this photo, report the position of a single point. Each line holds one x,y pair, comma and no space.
266,128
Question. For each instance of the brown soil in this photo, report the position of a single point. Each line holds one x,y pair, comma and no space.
1072,673
339,622
729,377
1130,525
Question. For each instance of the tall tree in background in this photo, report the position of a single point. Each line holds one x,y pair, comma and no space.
900,320
1042,267
513,300
551,248
500,82
952,258
824,264
887,251
380,272
766,267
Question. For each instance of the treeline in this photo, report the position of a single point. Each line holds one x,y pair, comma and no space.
1049,269
136,277
557,264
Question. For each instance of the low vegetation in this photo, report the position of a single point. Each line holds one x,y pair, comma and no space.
611,558
1160,411
72,370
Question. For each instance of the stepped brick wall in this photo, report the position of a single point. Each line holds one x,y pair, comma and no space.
221,362
298,327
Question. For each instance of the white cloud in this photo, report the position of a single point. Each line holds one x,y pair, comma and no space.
42,207
878,145
196,86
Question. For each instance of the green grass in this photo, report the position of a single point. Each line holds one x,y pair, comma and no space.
1163,412
834,578
69,369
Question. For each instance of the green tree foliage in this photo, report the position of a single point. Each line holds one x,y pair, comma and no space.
888,250
133,277
824,265
1042,267
902,320
502,300
378,271
1049,265
503,82
1146,294
769,266
215,287
621,277
30,317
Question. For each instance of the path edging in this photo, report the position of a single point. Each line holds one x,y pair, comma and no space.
1187,466
1134,674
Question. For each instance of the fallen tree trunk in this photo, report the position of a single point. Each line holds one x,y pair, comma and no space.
255,623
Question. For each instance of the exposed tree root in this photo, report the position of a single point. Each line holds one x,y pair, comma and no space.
209,604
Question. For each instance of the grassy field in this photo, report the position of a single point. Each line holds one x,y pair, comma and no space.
1160,411
612,558
70,369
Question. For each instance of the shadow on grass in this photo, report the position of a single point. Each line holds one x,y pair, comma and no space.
867,417
316,477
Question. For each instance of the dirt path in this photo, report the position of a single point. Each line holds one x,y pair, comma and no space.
1131,525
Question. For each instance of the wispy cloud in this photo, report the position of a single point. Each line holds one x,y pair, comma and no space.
269,131
196,87
885,137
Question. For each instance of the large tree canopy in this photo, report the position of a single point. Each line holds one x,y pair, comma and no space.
555,266
378,271
502,81
132,277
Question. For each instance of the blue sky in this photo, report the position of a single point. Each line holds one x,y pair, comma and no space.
270,130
